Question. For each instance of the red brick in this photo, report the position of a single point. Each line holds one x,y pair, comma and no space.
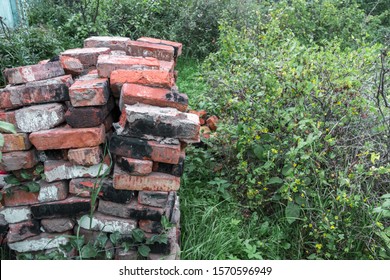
144,120
83,186
132,94
20,231
143,149
168,66
86,156
48,192
177,46
18,197
89,93
16,142
65,138
150,226
162,52
40,117
122,254
131,210
114,43
71,65
155,199
152,182
106,223
156,78
18,160
91,75
108,63
87,56
40,242
118,53
205,131
75,116
173,169
44,61
8,116
108,122
212,123
14,215
57,225
135,166
62,170
31,73
46,91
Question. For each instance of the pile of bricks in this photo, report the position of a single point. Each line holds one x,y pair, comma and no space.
113,95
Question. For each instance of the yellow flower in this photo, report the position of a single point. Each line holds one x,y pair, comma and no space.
318,246
332,227
274,151
310,225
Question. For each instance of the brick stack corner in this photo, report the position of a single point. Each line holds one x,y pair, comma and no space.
114,94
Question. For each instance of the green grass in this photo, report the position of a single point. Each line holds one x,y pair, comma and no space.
189,81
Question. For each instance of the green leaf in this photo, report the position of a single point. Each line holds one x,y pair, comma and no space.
143,250
264,228
165,223
386,196
101,239
292,212
287,170
77,241
7,127
25,175
33,187
39,169
258,151
114,237
275,180
12,180
138,235
161,239
1,140
88,251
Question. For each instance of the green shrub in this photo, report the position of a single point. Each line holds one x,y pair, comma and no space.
27,46
303,139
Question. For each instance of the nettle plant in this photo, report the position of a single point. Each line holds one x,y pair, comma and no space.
305,132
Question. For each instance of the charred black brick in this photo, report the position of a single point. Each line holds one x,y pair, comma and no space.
125,165
173,169
92,116
130,147
108,193
65,208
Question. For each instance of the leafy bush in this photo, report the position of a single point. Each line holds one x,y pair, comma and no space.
305,134
26,46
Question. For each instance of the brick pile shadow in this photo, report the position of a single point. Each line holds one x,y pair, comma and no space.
113,92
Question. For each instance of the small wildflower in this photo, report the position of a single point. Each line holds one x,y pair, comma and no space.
332,227
318,246
310,225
